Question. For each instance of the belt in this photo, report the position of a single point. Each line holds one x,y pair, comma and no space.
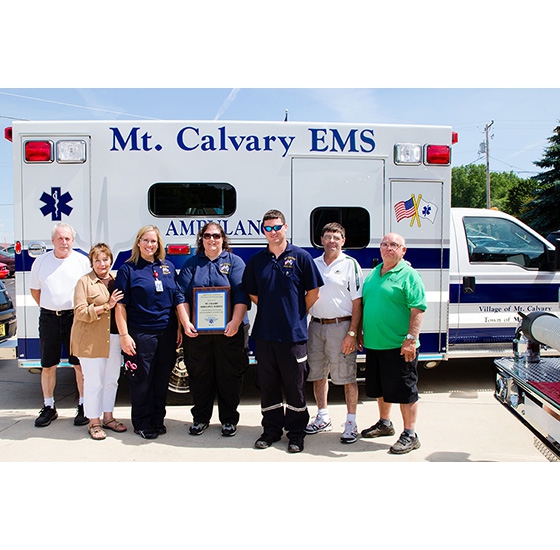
331,321
58,312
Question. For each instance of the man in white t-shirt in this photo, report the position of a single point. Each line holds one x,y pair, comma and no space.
332,344
53,278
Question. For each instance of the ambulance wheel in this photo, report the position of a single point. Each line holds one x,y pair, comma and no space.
178,390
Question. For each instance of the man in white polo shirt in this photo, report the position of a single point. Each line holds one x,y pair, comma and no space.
53,278
332,344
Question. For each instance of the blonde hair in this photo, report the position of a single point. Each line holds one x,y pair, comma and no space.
159,253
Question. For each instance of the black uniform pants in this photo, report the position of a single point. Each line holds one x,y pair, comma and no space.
155,359
216,365
282,366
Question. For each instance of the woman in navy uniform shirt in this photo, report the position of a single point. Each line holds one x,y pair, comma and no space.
216,362
147,322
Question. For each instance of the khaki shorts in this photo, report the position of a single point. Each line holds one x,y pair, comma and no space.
325,357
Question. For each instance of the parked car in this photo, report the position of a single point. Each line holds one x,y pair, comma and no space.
8,257
8,323
4,271
551,237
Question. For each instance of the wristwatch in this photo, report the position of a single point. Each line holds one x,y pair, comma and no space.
410,337
351,333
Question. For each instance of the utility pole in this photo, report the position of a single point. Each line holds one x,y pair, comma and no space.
486,128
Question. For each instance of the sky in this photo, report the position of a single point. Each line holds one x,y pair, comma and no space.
521,118
435,62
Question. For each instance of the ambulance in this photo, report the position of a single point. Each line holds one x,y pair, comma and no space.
109,178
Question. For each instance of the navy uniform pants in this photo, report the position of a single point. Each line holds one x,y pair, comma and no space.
216,366
282,366
155,359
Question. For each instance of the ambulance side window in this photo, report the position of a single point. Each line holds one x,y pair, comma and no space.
178,200
355,220
497,240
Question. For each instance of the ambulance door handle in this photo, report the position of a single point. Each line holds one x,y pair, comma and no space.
469,285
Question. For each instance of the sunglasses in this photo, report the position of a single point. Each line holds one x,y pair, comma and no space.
269,228
214,236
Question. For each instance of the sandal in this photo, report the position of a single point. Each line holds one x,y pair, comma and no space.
96,432
116,427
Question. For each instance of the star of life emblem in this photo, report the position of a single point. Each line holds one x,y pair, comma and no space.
56,204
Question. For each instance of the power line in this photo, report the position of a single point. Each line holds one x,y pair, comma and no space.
12,117
74,105
515,168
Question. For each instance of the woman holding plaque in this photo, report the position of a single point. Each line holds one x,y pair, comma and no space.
215,350
147,322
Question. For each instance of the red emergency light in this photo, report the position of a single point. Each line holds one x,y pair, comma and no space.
38,151
8,133
178,249
438,154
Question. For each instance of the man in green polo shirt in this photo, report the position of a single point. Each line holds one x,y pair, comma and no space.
394,301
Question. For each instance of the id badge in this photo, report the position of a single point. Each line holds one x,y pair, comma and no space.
159,286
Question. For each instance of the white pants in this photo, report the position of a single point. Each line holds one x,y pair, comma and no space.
101,377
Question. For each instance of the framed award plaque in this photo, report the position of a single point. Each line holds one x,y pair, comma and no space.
210,309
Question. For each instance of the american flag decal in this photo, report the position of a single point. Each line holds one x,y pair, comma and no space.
405,209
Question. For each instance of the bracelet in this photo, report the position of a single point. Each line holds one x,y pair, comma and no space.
106,306
121,335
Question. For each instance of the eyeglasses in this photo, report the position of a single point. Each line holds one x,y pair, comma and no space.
332,237
214,236
147,241
269,228
391,246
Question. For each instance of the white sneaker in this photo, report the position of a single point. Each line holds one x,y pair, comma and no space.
350,434
318,425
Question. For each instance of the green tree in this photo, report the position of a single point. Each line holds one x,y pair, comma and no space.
468,186
518,196
542,213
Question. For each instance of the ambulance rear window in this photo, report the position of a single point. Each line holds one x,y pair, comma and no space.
178,200
355,220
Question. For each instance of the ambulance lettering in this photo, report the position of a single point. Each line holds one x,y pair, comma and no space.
184,228
189,139
120,143
323,139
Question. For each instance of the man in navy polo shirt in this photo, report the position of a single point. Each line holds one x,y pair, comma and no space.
283,281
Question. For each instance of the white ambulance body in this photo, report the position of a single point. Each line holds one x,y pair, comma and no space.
109,178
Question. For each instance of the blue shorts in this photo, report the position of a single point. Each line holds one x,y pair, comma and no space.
389,376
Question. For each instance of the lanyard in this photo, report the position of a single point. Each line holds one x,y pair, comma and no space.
158,283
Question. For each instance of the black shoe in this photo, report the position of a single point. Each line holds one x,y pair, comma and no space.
46,415
265,441
229,430
80,419
147,434
160,430
379,429
405,444
198,427
295,446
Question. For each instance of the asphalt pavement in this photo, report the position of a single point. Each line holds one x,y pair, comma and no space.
459,421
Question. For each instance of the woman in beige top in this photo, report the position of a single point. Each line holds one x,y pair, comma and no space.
95,340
